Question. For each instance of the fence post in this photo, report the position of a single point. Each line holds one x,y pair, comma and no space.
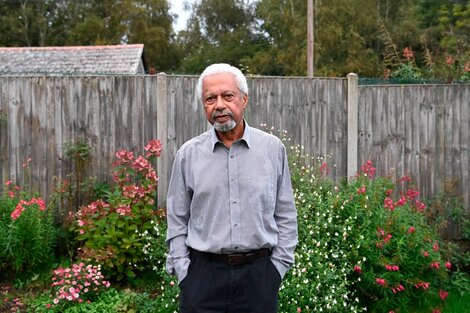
162,135
352,124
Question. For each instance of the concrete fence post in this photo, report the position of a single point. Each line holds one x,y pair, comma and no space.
352,125
162,135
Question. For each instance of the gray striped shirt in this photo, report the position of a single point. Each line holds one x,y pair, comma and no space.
231,200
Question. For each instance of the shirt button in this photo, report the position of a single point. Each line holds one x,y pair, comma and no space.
231,156
236,247
234,201
235,224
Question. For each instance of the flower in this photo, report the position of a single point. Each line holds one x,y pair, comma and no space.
434,265
361,190
450,60
357,269
380,281
448,265
408,53
443,294
153,148
392,268
411,230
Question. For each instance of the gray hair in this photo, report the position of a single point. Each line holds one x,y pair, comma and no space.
220,68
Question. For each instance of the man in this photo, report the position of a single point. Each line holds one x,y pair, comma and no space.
232,222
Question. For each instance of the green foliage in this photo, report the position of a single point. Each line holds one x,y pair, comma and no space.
155,250
27,232
219,31
359,248
112,231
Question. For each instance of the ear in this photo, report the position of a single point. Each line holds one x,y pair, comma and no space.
245,101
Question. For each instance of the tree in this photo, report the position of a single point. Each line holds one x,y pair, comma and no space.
94,22
219,31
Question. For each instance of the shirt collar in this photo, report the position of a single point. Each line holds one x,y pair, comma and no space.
246,136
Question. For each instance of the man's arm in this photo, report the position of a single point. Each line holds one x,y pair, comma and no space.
285,215
178,204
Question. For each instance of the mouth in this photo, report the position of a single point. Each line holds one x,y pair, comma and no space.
222,118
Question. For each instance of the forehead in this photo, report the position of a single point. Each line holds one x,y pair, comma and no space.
215,82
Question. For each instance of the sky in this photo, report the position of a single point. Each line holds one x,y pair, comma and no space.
176,6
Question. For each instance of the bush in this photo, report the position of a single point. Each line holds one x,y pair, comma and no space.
359,248
27,233
112,230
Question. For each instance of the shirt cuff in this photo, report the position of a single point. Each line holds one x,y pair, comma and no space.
281,268
178,268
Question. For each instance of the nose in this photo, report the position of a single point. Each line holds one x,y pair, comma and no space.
219,103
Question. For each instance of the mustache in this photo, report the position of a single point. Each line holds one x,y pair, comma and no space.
226,112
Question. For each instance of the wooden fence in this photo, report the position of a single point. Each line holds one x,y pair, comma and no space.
417,130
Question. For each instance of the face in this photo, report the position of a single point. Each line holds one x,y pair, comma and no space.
224,103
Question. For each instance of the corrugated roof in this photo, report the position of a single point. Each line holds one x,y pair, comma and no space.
77,60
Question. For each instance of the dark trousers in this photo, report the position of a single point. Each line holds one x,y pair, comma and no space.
215,287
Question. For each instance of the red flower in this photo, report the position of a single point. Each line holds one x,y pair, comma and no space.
357,269
380,281
434,265
450,60
361,190
448,265
411,230
443,294
408,53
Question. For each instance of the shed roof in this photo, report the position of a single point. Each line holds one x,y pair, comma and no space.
73,60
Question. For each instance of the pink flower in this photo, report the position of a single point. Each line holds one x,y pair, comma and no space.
8,183
436,246
408,53
380,281
436,311
368,169
426,254
450,60
434,265
388,204
448,265
401,201
422,284
153,148
357,269
324,170
443,294
299,310
387,238
411,194
124,210
361,190
420,206
392,268
411,230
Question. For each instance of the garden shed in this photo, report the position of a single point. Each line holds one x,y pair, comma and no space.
73,60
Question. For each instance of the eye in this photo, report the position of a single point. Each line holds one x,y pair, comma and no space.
209,100
229,96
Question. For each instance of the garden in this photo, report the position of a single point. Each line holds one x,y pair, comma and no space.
367,244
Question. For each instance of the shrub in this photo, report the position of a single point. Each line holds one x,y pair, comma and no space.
111,230
77,284
167,297
360,248
319,280
397,257
26,231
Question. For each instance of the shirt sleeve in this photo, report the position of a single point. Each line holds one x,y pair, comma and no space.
285,215
178,204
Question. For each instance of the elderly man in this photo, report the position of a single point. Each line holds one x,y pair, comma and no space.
232,222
